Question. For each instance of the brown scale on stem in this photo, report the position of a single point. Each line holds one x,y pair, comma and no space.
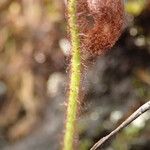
100,24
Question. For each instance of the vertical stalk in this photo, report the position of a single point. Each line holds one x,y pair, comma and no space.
75,76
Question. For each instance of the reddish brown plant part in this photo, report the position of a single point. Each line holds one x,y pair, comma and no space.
100,24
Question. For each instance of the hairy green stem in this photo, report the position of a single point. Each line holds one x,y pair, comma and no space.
75,76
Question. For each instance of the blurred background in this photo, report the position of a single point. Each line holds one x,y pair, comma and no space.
34,79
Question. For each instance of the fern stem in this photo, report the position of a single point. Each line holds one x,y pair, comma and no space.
75,76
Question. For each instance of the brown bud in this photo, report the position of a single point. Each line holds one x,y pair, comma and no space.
100,23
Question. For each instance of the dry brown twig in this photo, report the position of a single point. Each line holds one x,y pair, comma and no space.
145,107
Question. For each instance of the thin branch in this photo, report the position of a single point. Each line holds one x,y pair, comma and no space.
145,107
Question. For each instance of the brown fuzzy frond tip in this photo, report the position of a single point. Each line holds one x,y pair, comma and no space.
100,24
